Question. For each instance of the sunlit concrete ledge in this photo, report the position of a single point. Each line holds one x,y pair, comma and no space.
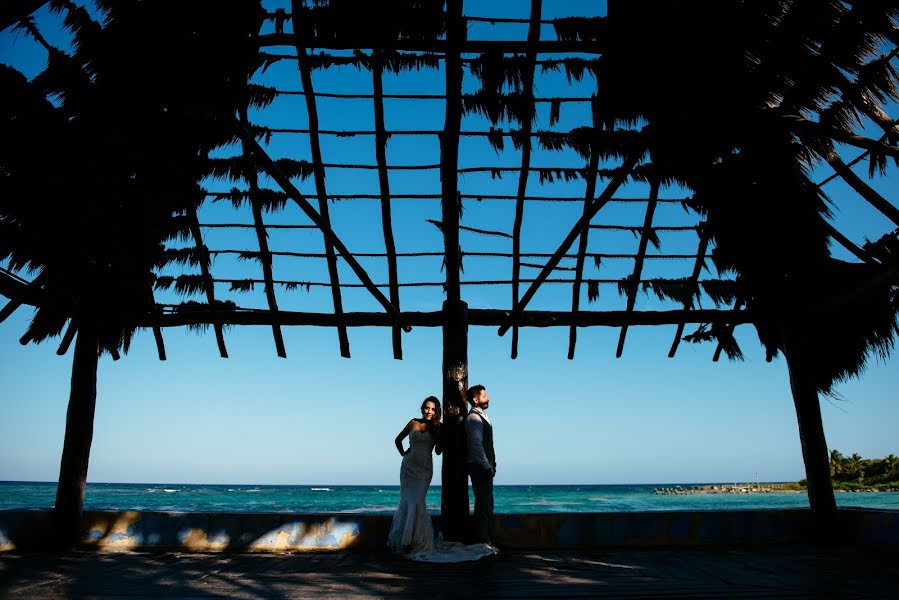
260,532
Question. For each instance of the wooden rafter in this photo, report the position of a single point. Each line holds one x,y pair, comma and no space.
294,194
384,183
265,257
319,173
620,176
527,83
69,335
582,251
435,46
638,262
693,282
476,316
208,285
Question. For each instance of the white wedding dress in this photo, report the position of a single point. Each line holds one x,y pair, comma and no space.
411,531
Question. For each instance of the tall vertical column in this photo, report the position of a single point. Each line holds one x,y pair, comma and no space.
454,500
79,434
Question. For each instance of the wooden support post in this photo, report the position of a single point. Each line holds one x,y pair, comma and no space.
527,85
454,476
384,182
78,436
811,428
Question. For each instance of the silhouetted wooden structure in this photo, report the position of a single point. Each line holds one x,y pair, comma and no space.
736,118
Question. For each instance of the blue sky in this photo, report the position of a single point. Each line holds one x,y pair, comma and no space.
318,418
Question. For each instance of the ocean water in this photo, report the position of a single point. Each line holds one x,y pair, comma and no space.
383,499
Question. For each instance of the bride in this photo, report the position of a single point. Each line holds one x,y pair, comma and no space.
411,531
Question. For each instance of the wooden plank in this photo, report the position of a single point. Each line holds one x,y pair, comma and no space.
863,189
638,262
476,316
319,173
434,46
616,181
384,183
265,257
704,236
582,252
208,285
294,194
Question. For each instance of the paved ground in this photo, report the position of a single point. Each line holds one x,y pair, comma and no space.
763,572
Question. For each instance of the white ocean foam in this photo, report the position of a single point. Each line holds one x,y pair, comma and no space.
547,503
168,490
321,489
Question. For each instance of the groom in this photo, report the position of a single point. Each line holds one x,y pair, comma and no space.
481,461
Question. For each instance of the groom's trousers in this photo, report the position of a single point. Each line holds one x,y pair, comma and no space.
482,485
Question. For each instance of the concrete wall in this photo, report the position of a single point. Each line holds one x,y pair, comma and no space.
255,532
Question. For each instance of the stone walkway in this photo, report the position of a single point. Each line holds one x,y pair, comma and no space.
760,572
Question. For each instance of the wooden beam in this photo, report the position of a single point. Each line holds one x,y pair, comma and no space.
863,189
476,316
641,257
26,288
384,182
294,194
319,173
434,46
582,251
208,285
527,88
265,257
616,181
704,236
160,343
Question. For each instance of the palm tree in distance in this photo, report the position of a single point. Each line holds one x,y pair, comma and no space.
93,182
741,113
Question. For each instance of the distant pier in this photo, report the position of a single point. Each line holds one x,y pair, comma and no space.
726,488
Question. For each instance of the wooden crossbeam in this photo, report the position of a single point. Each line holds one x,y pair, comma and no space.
384,183
265,257
208,285
638,263
704,236
478,317
16,302
434,46
582,252
613,185
527,83
294,194
811,127
319,173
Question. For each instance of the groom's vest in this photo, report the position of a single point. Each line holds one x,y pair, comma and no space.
487,438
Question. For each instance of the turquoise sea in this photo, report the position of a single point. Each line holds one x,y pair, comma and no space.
383,499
